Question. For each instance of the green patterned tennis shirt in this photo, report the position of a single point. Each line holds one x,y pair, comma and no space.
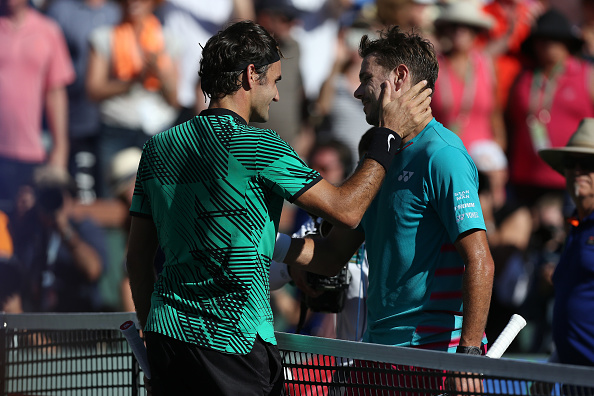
215,187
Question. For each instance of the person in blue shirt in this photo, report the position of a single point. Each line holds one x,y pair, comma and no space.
573,279
430,268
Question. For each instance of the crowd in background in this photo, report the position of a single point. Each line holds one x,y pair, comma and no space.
84,83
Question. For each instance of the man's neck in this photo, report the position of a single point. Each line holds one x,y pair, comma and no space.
233,103
418,130
17,15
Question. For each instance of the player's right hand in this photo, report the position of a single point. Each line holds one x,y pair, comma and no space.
403,112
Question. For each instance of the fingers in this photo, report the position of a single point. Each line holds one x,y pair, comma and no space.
413,91
385,98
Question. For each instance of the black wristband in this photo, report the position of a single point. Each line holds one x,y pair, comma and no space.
469,350
383,146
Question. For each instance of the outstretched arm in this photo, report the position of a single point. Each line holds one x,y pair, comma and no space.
324,256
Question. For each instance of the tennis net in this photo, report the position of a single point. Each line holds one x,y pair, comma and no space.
86,354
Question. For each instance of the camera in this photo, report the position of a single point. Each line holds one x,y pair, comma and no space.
334,291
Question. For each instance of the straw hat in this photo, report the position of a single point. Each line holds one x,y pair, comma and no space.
464,12
581,142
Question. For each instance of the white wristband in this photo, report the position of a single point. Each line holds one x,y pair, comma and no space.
279,275
283,241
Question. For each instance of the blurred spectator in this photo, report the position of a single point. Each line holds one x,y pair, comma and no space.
543,253
34,71
464,98
62,257
573,279
122,179
317,34
509,229
587,28
508,222
279,17
513,21
333,160
417,15
122,176
340,110
133,74
78,18
546,104
193,22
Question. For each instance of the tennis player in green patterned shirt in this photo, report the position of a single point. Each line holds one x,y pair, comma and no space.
210,193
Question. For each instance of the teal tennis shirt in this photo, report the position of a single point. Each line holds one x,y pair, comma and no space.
215,187
429,198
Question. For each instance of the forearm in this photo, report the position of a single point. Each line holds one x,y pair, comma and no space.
108,89
56,108
86,258
345,205
477,287
324,256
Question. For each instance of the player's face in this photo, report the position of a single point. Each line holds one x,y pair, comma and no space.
266,93
371,77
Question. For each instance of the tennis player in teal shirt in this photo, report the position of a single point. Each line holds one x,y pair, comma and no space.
430,268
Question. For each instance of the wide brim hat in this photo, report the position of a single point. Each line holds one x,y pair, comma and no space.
581,142
464,12
553,25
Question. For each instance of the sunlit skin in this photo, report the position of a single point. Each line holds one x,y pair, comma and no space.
267,92
371,78
579,179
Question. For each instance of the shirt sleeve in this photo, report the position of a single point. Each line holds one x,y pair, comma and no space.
141,205
282,169
60,71
453,191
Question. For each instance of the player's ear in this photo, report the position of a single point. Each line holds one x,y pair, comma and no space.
401,75
251,77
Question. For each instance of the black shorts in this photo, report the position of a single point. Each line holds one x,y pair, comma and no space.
181,368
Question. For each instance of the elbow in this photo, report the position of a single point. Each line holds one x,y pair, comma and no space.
347,219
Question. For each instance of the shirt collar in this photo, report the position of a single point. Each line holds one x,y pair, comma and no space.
223,112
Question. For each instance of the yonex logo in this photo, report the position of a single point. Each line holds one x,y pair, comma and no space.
405,176
390,137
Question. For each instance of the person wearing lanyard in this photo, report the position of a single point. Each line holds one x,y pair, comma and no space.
546,105
464,99
573,324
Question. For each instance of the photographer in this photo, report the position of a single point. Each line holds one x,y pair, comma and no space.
61,257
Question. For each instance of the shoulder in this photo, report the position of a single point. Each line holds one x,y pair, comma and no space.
445,150
43,23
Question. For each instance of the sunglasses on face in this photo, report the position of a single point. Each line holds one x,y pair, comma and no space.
584,163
